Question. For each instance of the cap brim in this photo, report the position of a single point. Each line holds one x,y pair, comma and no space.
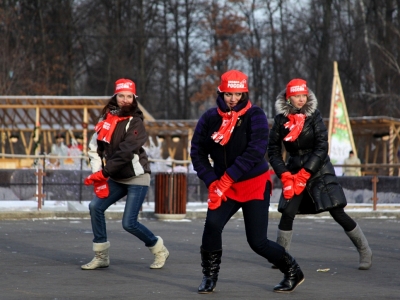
125,91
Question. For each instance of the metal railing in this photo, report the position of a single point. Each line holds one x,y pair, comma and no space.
373,170
40,166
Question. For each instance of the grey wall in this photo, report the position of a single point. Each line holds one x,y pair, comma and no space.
20,184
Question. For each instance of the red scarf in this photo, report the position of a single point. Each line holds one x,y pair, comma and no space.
229,120
106,127
295,125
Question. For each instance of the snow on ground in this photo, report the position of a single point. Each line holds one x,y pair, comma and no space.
49,205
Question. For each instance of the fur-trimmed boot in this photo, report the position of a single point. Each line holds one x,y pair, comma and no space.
101,257
360,241
160,252
210,262
293,276
284,238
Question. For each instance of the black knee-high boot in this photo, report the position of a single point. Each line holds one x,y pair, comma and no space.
210,262
293,276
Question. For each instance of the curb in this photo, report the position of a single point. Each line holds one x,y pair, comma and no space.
33,215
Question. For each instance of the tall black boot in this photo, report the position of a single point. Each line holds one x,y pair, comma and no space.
210,262
293,276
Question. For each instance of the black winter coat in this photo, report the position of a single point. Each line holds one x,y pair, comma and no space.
308,151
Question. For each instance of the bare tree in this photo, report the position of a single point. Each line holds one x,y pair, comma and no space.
176,50
252,45
226,31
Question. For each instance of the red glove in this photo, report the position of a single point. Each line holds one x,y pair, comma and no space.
100,184
101,189
287,185
223,184
214,201
300,181
295,126
91,179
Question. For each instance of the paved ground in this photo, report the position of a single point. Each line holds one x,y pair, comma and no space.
18,210
40,259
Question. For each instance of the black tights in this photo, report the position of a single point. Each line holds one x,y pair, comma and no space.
338,214
255,215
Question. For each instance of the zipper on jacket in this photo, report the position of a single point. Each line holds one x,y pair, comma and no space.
312,199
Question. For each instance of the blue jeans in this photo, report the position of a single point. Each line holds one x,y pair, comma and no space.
255,215
134,200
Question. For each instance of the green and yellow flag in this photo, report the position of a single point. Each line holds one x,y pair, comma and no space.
340,135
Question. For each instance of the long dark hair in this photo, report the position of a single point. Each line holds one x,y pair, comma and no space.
245,96
112,106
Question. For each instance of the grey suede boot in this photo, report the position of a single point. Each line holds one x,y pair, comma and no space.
101,258
160,252
359,240
284,238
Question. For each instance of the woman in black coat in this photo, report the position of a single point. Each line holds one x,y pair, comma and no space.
309,183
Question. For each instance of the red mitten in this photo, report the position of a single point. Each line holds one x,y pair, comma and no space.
287,185
214,201
223,184
295,126
91,179
101,189
300,181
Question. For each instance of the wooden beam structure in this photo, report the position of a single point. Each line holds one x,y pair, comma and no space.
377,138
35,120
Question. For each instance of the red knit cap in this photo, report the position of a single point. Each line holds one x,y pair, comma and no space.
233,82
296,87
125,85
